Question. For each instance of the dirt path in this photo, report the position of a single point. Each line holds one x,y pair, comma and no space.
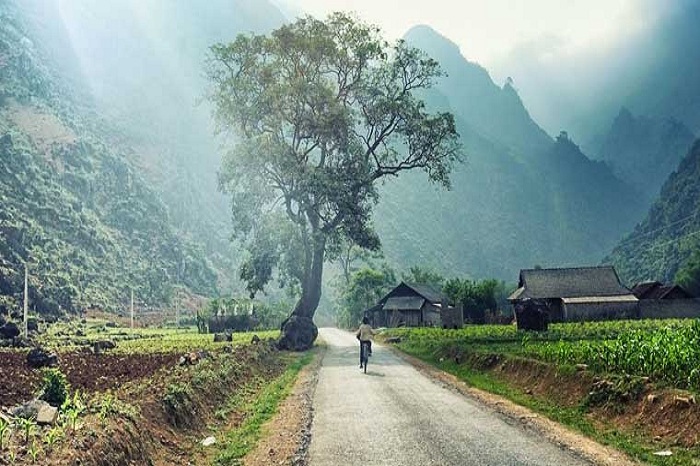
396,415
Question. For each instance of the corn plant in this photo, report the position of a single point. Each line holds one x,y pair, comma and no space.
4,431
107,406
28,426
53,435
72,414
33,451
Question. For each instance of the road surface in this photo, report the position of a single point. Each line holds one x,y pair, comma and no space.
394,415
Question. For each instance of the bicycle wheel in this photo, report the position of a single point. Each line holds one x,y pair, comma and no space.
365,356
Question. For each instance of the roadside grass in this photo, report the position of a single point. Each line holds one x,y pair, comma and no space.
636,445
256,412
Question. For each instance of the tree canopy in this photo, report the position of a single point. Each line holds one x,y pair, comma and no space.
689,275
319,112
366,287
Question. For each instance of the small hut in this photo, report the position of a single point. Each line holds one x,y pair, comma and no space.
409,305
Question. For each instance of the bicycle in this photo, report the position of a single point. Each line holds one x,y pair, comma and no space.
364,354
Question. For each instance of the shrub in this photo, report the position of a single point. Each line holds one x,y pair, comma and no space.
178,404
54,387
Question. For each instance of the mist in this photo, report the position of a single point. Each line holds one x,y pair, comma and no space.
581,87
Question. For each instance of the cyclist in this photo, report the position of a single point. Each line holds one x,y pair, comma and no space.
364,334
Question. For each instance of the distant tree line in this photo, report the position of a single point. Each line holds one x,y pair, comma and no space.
483,301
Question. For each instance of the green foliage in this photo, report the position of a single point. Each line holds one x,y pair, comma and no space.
270,316
28,427
243,314
322,111
5,427
76,211
664,245
351,257
25,76
72,408
177,403
667,351
54,387
241,440
689,275
53,435
476,297
424,276
366,287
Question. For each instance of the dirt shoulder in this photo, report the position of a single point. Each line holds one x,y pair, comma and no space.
287,435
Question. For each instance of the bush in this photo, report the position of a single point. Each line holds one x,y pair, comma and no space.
178,405
54,387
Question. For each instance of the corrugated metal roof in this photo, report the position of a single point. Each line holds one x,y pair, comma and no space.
407,303
517,293
571,283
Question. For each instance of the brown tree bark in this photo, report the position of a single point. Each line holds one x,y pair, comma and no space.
299,331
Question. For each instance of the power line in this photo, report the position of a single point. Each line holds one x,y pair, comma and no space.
675,240
633,238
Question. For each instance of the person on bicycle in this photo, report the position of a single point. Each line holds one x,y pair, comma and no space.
364,334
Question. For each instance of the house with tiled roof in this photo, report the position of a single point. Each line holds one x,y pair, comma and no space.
408,305
660,301
577,293
657,290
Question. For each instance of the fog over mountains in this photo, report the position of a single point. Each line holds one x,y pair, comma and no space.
130,74
651,67
521,199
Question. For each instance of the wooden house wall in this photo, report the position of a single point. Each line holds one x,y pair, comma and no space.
431,315
428,316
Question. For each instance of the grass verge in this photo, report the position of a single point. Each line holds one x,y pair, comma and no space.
256,412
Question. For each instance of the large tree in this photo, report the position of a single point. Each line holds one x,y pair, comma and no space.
319,112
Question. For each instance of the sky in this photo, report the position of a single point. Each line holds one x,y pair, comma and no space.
487,31
558,52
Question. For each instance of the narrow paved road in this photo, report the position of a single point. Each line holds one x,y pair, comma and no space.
394,415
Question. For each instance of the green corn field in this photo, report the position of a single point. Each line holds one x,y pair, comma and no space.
666,351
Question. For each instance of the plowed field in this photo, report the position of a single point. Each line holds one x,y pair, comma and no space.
85,370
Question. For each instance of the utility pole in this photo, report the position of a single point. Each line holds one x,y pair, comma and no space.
177,308
26,298
132,309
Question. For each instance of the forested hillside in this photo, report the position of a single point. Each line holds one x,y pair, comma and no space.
151,87
644,151
665,240
520,199
105,102
75,208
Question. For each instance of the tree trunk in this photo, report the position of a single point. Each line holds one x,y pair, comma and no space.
299,331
